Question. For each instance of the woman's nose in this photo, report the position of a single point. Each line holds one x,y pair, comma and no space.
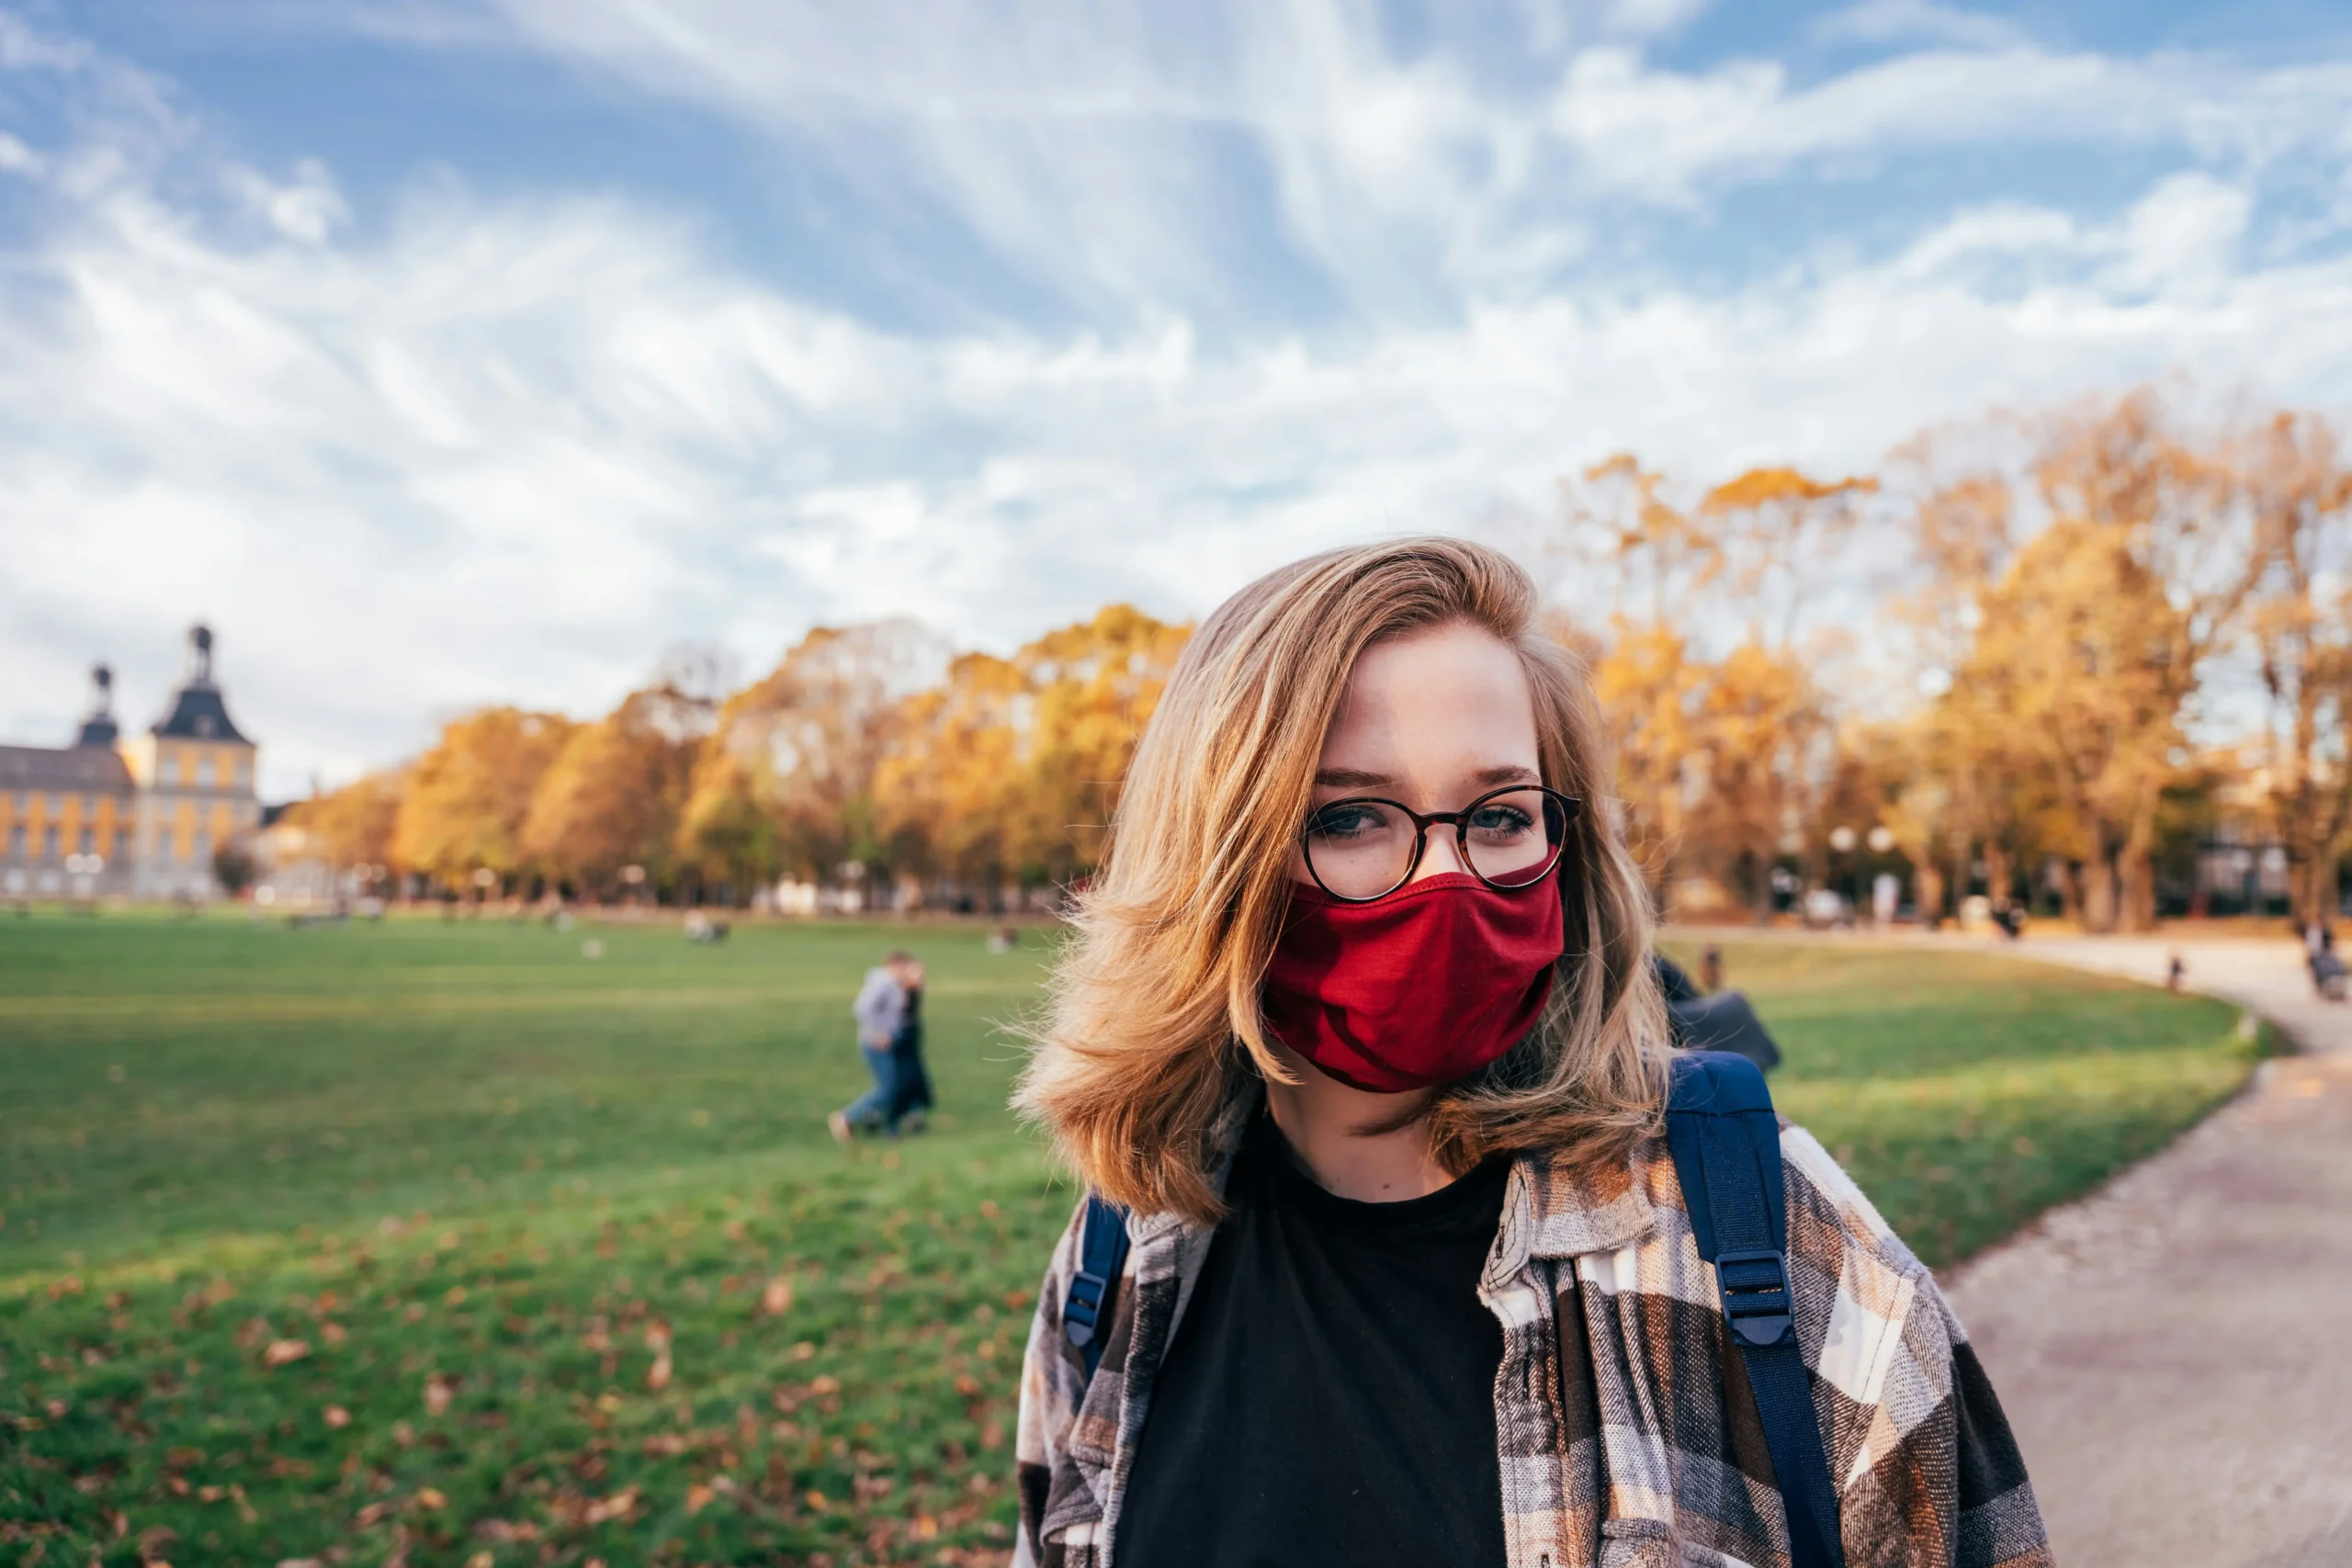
1440,855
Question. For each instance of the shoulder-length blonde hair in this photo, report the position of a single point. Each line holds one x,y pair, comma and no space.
1152,1017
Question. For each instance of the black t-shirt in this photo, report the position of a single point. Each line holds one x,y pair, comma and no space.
1330,1394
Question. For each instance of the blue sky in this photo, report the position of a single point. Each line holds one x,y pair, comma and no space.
446,351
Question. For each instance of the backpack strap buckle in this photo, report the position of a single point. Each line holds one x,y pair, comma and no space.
1082,1314
1101,1257
1755,1290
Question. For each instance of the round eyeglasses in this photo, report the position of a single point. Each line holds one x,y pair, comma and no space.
1364,848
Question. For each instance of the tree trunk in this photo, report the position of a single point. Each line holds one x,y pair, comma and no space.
1927,891
2099,894
2070,901
2137,878
2000,874
2311,884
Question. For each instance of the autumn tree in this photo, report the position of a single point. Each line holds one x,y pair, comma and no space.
1093,687
468,798
1769,745
1654,691
785,782
945,792
1776,531
2297,489
1010,770
614,796
355,824
2081,655
2142,533
1705,670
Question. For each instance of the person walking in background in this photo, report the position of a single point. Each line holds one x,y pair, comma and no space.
880,1009
911,1096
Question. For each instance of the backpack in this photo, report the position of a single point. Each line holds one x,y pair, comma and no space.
1726,1146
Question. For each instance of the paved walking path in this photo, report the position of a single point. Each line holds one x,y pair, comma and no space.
2175,1351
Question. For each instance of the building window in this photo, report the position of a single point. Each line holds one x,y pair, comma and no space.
244,771
122,843
16,841
203,847
164,845
49,843
89,805
89,841
56,805
204,772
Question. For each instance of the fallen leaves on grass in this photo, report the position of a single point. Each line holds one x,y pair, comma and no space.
284,1352
657,1339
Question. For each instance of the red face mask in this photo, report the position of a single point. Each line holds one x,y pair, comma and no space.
1415,989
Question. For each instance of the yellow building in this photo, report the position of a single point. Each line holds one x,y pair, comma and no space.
144,817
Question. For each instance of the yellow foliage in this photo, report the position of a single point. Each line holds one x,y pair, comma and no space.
467,798
354,825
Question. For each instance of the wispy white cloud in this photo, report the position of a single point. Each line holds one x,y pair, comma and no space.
1902,21
306,207
16,158
1668,135
420,451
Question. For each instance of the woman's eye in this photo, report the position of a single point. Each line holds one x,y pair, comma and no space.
1500,822
1346,822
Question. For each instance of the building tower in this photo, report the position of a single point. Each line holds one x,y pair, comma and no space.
98,728
196,784
66,812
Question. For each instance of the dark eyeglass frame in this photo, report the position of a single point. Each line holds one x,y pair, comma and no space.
1570,810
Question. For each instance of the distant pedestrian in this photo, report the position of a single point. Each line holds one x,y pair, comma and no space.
1711,969
2328,976
881,1007
911,1096
2175,974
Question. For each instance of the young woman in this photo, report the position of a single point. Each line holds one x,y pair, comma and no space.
1358,1024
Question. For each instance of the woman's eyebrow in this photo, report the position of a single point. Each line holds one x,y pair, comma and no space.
1356,778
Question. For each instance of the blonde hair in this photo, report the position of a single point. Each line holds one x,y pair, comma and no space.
1152,1023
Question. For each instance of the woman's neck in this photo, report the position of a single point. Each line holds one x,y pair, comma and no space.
1346,1139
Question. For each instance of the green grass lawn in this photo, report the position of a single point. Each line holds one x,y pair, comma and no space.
443,1243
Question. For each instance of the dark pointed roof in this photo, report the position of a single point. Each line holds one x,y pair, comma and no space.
197,711
99,728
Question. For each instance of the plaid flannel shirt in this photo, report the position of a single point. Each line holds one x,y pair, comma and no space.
1664,1465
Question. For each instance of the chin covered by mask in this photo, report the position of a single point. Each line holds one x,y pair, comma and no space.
1415,989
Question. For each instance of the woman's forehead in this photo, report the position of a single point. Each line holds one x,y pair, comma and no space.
1455,695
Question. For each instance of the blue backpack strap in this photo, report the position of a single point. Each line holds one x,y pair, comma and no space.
1101,1257
1726,1146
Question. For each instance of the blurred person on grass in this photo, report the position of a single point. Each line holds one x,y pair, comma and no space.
881,1012
910,1079
1358,1036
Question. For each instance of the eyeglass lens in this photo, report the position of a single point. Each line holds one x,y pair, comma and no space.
1364,848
